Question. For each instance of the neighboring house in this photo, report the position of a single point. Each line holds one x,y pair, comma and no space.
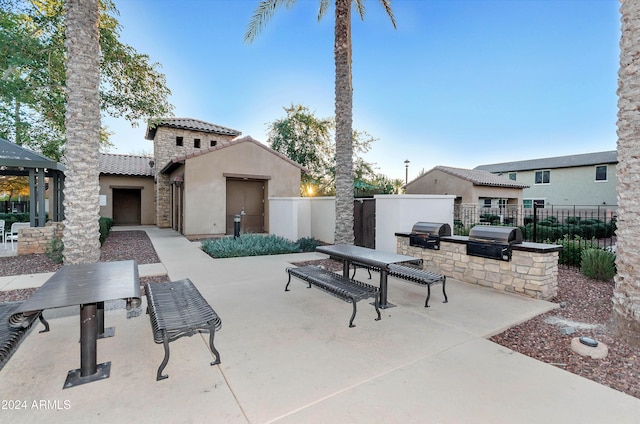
474,190
127,189
584,179
205,175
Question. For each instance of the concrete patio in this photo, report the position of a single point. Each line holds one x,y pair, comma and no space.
291,358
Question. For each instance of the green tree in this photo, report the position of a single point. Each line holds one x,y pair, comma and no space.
306,139
343,97
82,122
32,75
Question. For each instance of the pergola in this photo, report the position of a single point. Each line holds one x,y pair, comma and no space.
18,161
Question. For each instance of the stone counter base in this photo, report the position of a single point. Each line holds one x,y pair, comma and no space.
531,272
35,239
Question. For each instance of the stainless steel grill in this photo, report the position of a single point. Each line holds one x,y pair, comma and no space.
427,234
493,242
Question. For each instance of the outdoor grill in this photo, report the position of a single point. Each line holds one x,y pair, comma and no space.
493,242
427,234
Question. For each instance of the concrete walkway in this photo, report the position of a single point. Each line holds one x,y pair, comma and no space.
291,358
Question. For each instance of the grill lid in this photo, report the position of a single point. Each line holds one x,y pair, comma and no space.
432,229
495,234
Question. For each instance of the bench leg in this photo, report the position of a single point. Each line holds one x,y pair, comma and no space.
212,331
353,315
444,282
44,322
286,288
165,342
426,302
376,304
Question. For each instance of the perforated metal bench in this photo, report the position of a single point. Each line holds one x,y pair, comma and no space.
336,285
13,328
419,276
177,309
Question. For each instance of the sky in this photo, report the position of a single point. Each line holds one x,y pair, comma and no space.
459,83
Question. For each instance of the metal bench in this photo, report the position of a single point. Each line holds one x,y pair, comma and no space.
336,285
177,309
13,328
419,276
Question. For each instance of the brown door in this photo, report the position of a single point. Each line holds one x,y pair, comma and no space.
126,206
245,196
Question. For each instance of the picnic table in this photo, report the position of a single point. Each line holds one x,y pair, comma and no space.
87,285
376,259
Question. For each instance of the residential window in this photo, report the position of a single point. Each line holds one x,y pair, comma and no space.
512,176
196,143
486,203
543,177
179,141
601,173
214,143
528,203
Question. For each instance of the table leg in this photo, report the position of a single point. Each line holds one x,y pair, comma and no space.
383,290
346,268
103,333
89,369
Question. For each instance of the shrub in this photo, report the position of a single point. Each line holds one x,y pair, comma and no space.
54,250
307,244
572,247
105,228
598,264
249,245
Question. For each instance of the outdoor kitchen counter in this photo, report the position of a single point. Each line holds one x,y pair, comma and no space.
524,246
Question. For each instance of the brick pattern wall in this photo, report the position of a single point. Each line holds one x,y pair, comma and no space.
531,274
35,239
165,148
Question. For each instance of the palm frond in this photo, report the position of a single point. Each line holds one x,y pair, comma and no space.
360,8
324,5
387,6
262,14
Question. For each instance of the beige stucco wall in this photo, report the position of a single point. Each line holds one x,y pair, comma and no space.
165,149
438,182
147,208
205,179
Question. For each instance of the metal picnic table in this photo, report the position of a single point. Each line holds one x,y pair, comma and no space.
370,257
87,285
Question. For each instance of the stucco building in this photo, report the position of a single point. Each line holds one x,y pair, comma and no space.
200,177
584,179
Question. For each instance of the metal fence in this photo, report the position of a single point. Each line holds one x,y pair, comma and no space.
575,227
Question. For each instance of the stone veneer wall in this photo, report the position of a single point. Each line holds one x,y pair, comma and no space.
35,239
165,149
532,271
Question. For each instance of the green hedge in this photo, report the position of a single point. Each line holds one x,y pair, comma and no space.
105,228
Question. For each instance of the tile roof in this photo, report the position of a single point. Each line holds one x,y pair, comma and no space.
190,124
481,178
585,159
112,164
222,145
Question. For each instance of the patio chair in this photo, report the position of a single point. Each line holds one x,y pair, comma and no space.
13,234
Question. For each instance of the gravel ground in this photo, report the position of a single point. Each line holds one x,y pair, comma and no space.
585,306
119,246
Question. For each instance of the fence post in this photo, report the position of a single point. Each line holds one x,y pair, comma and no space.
535,222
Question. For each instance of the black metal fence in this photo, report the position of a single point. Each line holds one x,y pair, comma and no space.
575,227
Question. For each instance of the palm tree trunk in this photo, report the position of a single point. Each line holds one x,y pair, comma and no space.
344,124
82,119
626,296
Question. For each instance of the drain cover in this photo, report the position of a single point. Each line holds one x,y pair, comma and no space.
588,341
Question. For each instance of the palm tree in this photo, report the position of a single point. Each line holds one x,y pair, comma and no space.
343,98
626,296
82,120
